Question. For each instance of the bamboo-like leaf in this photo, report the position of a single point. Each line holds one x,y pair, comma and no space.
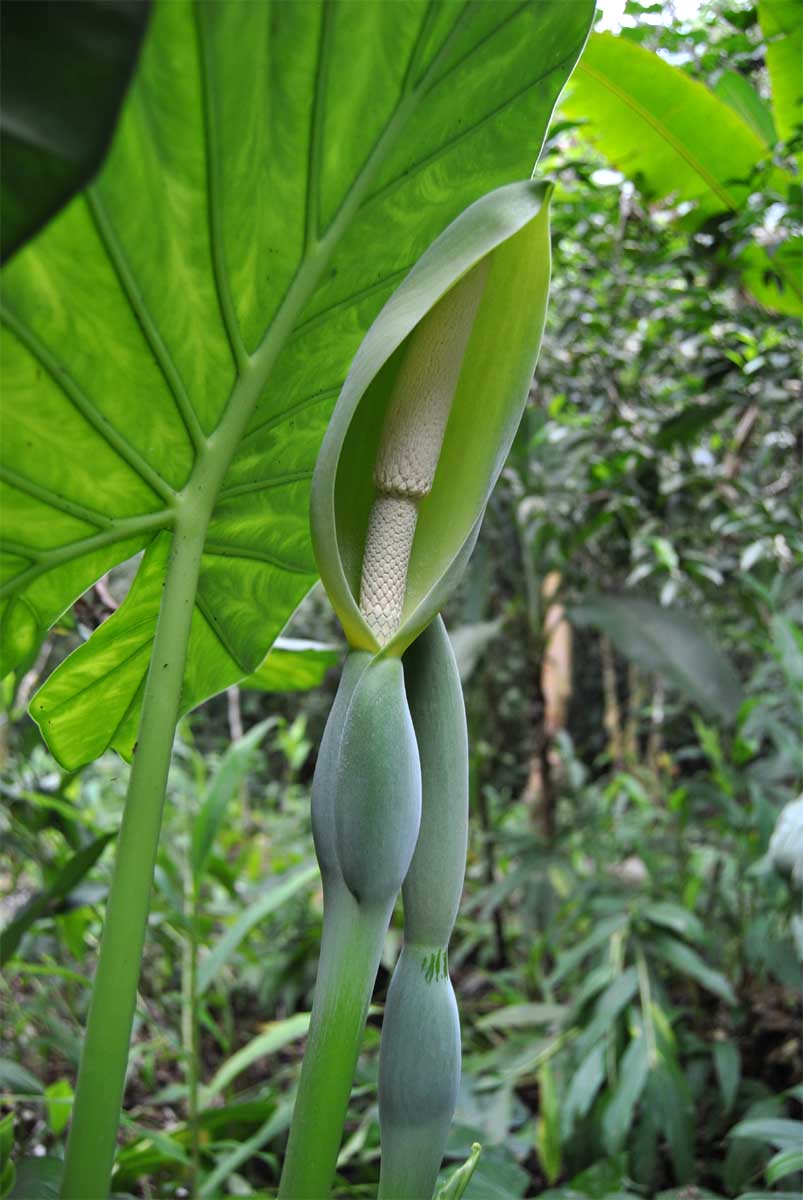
670,643
43,902
610,1004
780,1132
633,1072
583,1087
654,122
739,93
547,1129
782,25
277,1035
688,962
728,1067
272,899
232,770
183,329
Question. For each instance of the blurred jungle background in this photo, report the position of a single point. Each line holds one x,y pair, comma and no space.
628,953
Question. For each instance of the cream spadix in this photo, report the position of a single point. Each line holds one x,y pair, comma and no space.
410,446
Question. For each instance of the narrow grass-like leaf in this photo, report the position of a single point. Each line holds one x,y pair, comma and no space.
670,643
783,1164
633,1072
457,1183
233,768
18,1080
276,895
228,1163
688,962
43,903
277,1035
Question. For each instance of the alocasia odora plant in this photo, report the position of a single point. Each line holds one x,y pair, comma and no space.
418,436
173,344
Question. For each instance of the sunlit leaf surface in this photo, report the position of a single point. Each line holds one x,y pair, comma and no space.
278,169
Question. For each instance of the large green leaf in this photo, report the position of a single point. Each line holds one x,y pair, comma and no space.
654,122
65,70
185,326
670,643
782,26
294,665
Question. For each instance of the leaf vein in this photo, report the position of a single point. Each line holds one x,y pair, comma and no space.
318,317
83,405
70,508
219,268
261,485
314,149
121,531
217,549
293,411
421,164
217,632
116,256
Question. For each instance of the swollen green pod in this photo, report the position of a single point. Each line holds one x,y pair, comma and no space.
324,783
378,785
419,1065
419,1073
434,883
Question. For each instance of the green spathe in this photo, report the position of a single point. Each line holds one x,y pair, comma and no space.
509,227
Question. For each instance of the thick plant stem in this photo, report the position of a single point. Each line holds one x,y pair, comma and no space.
101,1079
351,947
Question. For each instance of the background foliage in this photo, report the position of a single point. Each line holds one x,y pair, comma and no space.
628,951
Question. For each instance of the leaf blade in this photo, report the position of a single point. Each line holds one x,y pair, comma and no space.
279,248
